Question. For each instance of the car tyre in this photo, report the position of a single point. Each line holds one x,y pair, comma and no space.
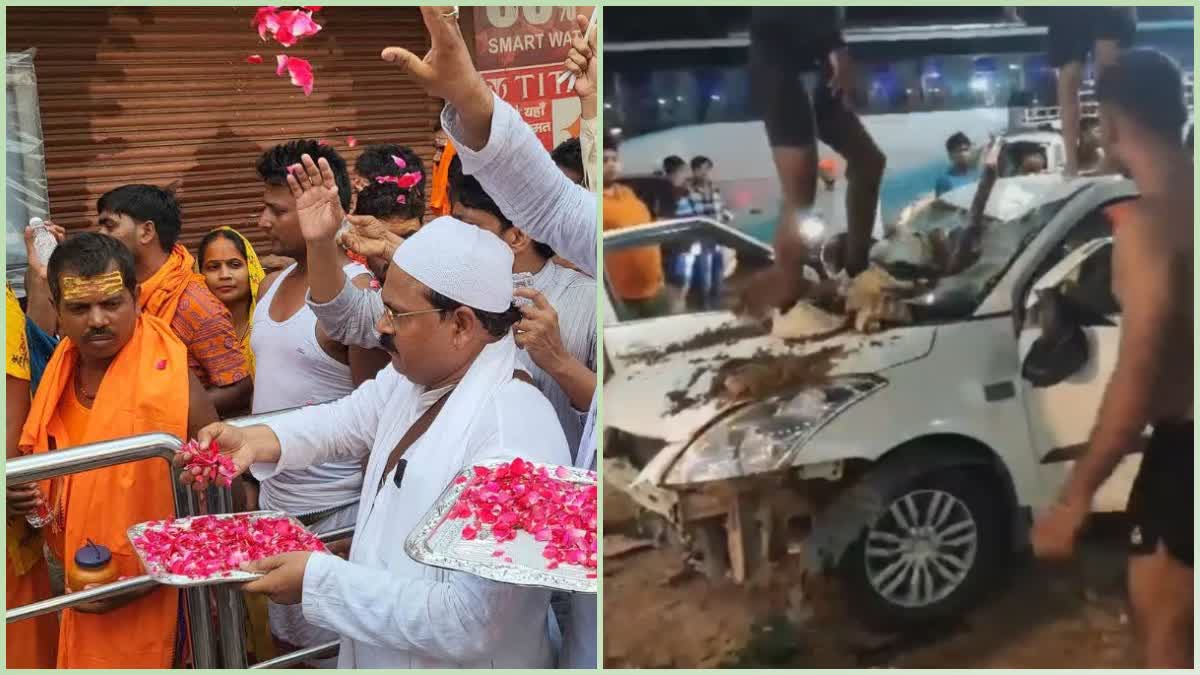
906,571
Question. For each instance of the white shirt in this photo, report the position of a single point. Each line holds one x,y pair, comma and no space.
391,611
517,172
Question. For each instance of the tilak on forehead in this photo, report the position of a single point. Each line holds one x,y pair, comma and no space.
107,284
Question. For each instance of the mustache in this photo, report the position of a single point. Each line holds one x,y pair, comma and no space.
386,341
97,333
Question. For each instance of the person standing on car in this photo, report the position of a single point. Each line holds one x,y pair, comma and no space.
1073,32
1142,112
787,46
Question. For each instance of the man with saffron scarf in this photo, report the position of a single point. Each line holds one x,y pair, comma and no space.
31,643
148,221
118,372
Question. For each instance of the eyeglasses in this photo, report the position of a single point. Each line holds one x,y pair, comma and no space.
393,316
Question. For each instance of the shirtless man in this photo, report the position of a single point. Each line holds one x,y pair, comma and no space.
1141,114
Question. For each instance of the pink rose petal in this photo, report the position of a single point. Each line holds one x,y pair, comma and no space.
351,141
254,58
161,365
400,163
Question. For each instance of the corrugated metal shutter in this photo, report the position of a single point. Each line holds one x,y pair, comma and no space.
159,94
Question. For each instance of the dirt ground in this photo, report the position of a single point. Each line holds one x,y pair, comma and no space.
658,614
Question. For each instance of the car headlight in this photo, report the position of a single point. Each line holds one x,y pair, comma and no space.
766,436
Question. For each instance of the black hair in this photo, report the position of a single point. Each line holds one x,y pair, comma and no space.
672,164
957,140
569,155
382,199
146,202
497,324
90,254
273,164
228,235
699,161
611,142
467,191
1147,85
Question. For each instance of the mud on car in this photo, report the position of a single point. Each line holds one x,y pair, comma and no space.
908,461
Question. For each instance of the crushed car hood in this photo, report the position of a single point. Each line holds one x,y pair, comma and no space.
667,392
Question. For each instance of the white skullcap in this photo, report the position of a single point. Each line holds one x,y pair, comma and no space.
462,262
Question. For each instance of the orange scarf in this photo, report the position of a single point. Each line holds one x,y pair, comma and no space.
439,193
161,292
144,390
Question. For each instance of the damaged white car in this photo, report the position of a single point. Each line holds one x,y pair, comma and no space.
907,460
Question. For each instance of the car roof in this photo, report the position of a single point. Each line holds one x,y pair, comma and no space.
662,231
1016,196
1033,136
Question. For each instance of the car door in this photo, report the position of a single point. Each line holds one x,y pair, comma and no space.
1061,415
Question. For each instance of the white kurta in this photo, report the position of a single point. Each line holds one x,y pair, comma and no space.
391,611
518,173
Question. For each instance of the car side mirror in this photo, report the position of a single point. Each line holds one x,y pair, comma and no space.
1062,349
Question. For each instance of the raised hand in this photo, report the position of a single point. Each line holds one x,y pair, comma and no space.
317,205
446,72
35,263
581,61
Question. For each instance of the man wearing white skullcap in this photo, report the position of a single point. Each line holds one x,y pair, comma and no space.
447,326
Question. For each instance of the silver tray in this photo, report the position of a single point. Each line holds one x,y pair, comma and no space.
437,541
160,575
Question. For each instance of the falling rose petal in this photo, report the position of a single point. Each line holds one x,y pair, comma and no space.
161,365
266,20
400,163
254,58
300,71
295,25
351,141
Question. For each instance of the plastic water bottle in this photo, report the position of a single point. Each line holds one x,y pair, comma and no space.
44,242
522,280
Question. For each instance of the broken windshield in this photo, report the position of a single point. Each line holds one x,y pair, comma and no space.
956,296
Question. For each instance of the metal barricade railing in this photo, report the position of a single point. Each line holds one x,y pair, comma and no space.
98,456
207,651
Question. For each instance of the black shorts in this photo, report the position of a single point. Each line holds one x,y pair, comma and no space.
1074,31
794,118
1160,504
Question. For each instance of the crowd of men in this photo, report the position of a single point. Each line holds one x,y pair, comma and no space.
404,343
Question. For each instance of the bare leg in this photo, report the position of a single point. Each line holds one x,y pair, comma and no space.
1070,78
1160,591
864,174
797,169
843,130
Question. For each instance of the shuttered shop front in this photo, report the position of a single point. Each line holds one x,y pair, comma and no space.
159,94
